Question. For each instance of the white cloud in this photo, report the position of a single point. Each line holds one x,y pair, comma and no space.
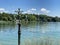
3,10
43,10
33,9
30,11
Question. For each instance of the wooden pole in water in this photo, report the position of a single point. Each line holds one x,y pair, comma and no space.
19,33
19,25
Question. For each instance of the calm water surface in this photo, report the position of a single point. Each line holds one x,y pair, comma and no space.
32,33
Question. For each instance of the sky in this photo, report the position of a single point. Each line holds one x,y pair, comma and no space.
49,7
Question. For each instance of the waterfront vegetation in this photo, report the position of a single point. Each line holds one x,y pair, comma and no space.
41,41
29,17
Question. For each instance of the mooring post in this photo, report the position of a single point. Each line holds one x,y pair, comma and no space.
19,33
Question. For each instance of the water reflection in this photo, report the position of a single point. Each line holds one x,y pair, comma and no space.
32,33
7,27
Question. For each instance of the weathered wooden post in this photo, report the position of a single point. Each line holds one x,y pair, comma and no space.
19,25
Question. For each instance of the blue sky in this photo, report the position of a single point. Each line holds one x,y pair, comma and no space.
50,7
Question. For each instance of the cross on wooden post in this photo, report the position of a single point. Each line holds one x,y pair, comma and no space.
19,25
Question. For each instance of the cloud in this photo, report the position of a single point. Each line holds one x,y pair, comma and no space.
43,10
3,10
33,9
30,11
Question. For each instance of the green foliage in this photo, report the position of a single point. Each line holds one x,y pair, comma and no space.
7,17
4,19
29,17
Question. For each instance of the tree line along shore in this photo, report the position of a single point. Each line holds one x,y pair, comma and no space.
28,17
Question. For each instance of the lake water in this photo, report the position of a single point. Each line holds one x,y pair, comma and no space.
32,33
